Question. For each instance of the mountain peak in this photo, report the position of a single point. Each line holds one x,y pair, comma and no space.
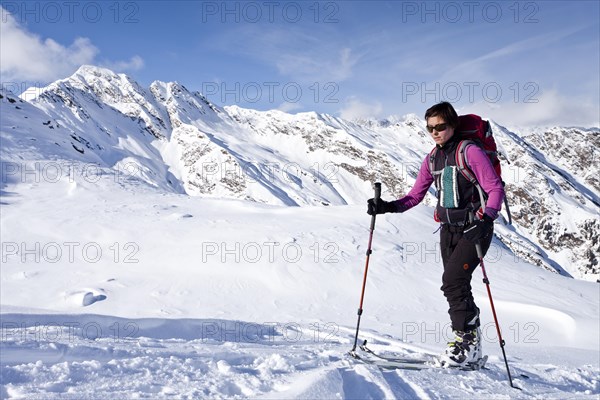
86,70
90,75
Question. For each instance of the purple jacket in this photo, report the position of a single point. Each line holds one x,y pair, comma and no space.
481,166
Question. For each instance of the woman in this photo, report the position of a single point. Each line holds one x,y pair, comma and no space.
457,197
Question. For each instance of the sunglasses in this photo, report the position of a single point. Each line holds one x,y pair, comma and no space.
437,128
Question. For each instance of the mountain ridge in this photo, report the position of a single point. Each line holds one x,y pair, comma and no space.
177,140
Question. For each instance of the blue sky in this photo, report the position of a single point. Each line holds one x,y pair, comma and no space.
526,62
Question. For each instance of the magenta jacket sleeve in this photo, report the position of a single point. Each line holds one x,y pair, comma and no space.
419,190
491,184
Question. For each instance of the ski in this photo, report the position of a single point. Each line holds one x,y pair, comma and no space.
364,348
392,363
417,366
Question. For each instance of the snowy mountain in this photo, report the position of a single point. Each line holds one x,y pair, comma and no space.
176,140
155,245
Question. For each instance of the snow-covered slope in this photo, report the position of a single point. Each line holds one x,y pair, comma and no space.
115,290
177,141
554,189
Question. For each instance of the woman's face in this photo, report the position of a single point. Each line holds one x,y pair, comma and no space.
444,133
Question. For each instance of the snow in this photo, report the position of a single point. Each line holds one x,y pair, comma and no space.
124,274
195,297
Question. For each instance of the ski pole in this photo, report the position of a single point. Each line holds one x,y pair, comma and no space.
487,285
377,187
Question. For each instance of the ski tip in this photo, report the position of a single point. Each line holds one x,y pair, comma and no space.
471,366
436,362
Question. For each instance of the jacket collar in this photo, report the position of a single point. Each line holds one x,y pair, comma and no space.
450,144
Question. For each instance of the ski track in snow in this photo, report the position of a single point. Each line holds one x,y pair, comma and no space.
52,356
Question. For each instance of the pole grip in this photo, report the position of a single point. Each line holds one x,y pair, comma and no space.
479,250
377,187
377,196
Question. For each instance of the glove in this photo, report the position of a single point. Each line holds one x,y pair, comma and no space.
380,206
479,229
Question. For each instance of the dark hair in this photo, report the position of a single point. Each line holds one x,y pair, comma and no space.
445,111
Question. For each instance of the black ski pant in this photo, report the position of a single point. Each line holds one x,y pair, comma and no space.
460,260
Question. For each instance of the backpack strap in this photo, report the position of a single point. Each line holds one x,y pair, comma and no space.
462,162
488,129
432,155
465,170
433,173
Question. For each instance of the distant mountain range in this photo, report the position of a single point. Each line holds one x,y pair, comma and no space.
175,140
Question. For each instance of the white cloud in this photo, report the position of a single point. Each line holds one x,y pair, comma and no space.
551,109
289,107
28,57
134,64
355,109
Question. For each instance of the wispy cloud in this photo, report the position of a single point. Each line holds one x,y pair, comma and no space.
294,53
473,67
354,108
306,66
289,107
552,108
135,63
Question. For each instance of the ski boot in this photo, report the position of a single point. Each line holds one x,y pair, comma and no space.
464,350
